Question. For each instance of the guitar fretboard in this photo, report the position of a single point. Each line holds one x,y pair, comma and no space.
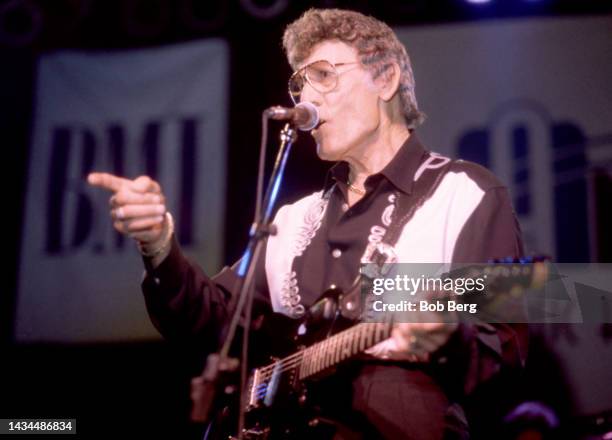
344,345
320,356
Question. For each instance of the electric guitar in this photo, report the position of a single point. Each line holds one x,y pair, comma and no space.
277,403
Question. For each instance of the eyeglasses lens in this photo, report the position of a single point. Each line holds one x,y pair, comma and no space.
321,75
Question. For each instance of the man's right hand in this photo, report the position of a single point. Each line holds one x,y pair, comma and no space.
138,207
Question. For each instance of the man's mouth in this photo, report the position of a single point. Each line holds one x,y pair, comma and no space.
318,125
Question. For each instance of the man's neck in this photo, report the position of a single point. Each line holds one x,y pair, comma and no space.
377,155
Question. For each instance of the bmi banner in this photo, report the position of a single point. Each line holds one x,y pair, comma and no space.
160,112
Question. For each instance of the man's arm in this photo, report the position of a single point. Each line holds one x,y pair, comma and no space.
184,303
477,352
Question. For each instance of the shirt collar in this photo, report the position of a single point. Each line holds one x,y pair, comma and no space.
399,171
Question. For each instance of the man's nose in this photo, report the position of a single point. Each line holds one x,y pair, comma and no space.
310,94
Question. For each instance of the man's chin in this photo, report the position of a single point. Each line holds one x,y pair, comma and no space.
327,153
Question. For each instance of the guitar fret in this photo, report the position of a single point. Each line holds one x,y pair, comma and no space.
366,336
333,342
331,346
321,357
304,363
338,347
346,342
315,358
329,353
361,338
346,345
311,362
342,344
342,338
357,337
380,332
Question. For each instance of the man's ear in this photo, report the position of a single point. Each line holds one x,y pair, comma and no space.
389,81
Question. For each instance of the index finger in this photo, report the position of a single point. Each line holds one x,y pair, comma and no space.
107,181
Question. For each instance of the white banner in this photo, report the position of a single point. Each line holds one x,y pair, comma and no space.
161,112
529,99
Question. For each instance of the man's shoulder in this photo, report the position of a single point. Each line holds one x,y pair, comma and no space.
476,173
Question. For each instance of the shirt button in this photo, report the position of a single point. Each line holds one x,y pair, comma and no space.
345,207
336,253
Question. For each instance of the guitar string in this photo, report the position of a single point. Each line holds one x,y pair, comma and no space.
285,365
263,378
270,371
351,332
301,353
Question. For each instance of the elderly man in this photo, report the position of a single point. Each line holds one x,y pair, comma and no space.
356,72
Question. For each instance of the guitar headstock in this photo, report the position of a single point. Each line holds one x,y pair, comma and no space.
508,280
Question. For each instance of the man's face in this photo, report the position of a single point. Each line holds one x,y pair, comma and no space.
350,112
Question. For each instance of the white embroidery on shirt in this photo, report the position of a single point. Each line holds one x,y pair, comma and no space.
434,161
289,294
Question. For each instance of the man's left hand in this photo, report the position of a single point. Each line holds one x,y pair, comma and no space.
414,341
418,340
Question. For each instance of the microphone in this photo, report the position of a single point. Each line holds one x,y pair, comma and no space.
305,115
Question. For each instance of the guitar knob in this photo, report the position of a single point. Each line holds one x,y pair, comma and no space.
313,422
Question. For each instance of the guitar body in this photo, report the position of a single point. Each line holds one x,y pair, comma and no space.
279,403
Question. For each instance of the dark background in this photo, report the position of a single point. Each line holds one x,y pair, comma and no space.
143,387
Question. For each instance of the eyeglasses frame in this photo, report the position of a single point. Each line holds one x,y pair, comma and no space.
301,69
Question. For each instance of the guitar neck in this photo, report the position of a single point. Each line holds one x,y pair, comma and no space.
317,358
340,347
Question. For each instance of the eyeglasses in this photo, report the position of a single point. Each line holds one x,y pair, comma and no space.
321,75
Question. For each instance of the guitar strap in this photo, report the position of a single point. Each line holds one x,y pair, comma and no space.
426,181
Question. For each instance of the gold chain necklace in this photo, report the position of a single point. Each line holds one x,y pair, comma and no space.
353,188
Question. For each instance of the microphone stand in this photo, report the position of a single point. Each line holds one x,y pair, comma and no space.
219,365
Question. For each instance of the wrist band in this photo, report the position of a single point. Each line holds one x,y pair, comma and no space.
166,241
